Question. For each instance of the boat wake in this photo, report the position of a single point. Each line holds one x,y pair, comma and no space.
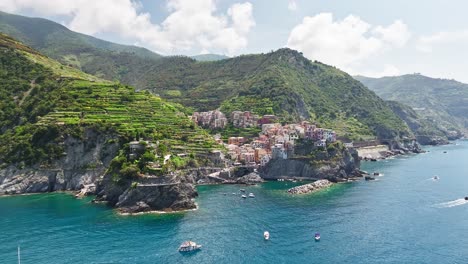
453,203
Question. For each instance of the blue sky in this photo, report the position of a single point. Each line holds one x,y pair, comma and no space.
368,37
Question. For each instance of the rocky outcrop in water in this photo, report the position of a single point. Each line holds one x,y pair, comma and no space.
251,178
149,193
405,146
311,187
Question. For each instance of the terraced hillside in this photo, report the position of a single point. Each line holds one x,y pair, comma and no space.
44,102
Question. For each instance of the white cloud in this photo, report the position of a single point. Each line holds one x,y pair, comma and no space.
427,43
346,43
396,34
292,5
192,25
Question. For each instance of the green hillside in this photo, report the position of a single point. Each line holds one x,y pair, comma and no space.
42,104
442,102
426,132
98,57
283,83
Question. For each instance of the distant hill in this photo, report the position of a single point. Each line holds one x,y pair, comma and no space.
426,131
209,57
92,55
442,102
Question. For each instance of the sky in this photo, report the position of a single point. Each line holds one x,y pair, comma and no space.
367,37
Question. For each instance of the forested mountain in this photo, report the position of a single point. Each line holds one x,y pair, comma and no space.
442,102
99,57
283,82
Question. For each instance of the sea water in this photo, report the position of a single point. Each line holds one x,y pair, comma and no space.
403,217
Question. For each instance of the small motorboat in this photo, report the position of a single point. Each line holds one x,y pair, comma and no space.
369,178
189,246
376,174
251,195
317,236
466,198
242,190
435,178
445,151
266,235
243,196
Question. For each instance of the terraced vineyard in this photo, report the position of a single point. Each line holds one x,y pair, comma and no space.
130,113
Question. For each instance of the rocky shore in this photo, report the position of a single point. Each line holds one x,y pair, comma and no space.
311,187
394,148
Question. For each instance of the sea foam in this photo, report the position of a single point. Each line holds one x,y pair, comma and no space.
453,203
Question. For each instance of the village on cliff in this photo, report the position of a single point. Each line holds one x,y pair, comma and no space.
275,141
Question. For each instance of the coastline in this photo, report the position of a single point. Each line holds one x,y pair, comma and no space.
157,212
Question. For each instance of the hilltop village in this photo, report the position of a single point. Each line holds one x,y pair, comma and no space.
274,141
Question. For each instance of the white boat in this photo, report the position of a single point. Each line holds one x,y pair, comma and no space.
251,195
317,237
243,196
242,190
19,255
188,246
266,235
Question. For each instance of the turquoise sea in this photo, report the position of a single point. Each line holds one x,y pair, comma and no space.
403,217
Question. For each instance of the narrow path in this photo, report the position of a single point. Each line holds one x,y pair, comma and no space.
26,94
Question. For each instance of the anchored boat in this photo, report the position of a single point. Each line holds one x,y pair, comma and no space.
189,246
317,236
266,235
251,195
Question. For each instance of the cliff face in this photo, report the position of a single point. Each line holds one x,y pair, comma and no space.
150,193
84,161
337,166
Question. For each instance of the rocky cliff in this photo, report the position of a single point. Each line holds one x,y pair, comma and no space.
334,165
148,193
84,166
83,162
